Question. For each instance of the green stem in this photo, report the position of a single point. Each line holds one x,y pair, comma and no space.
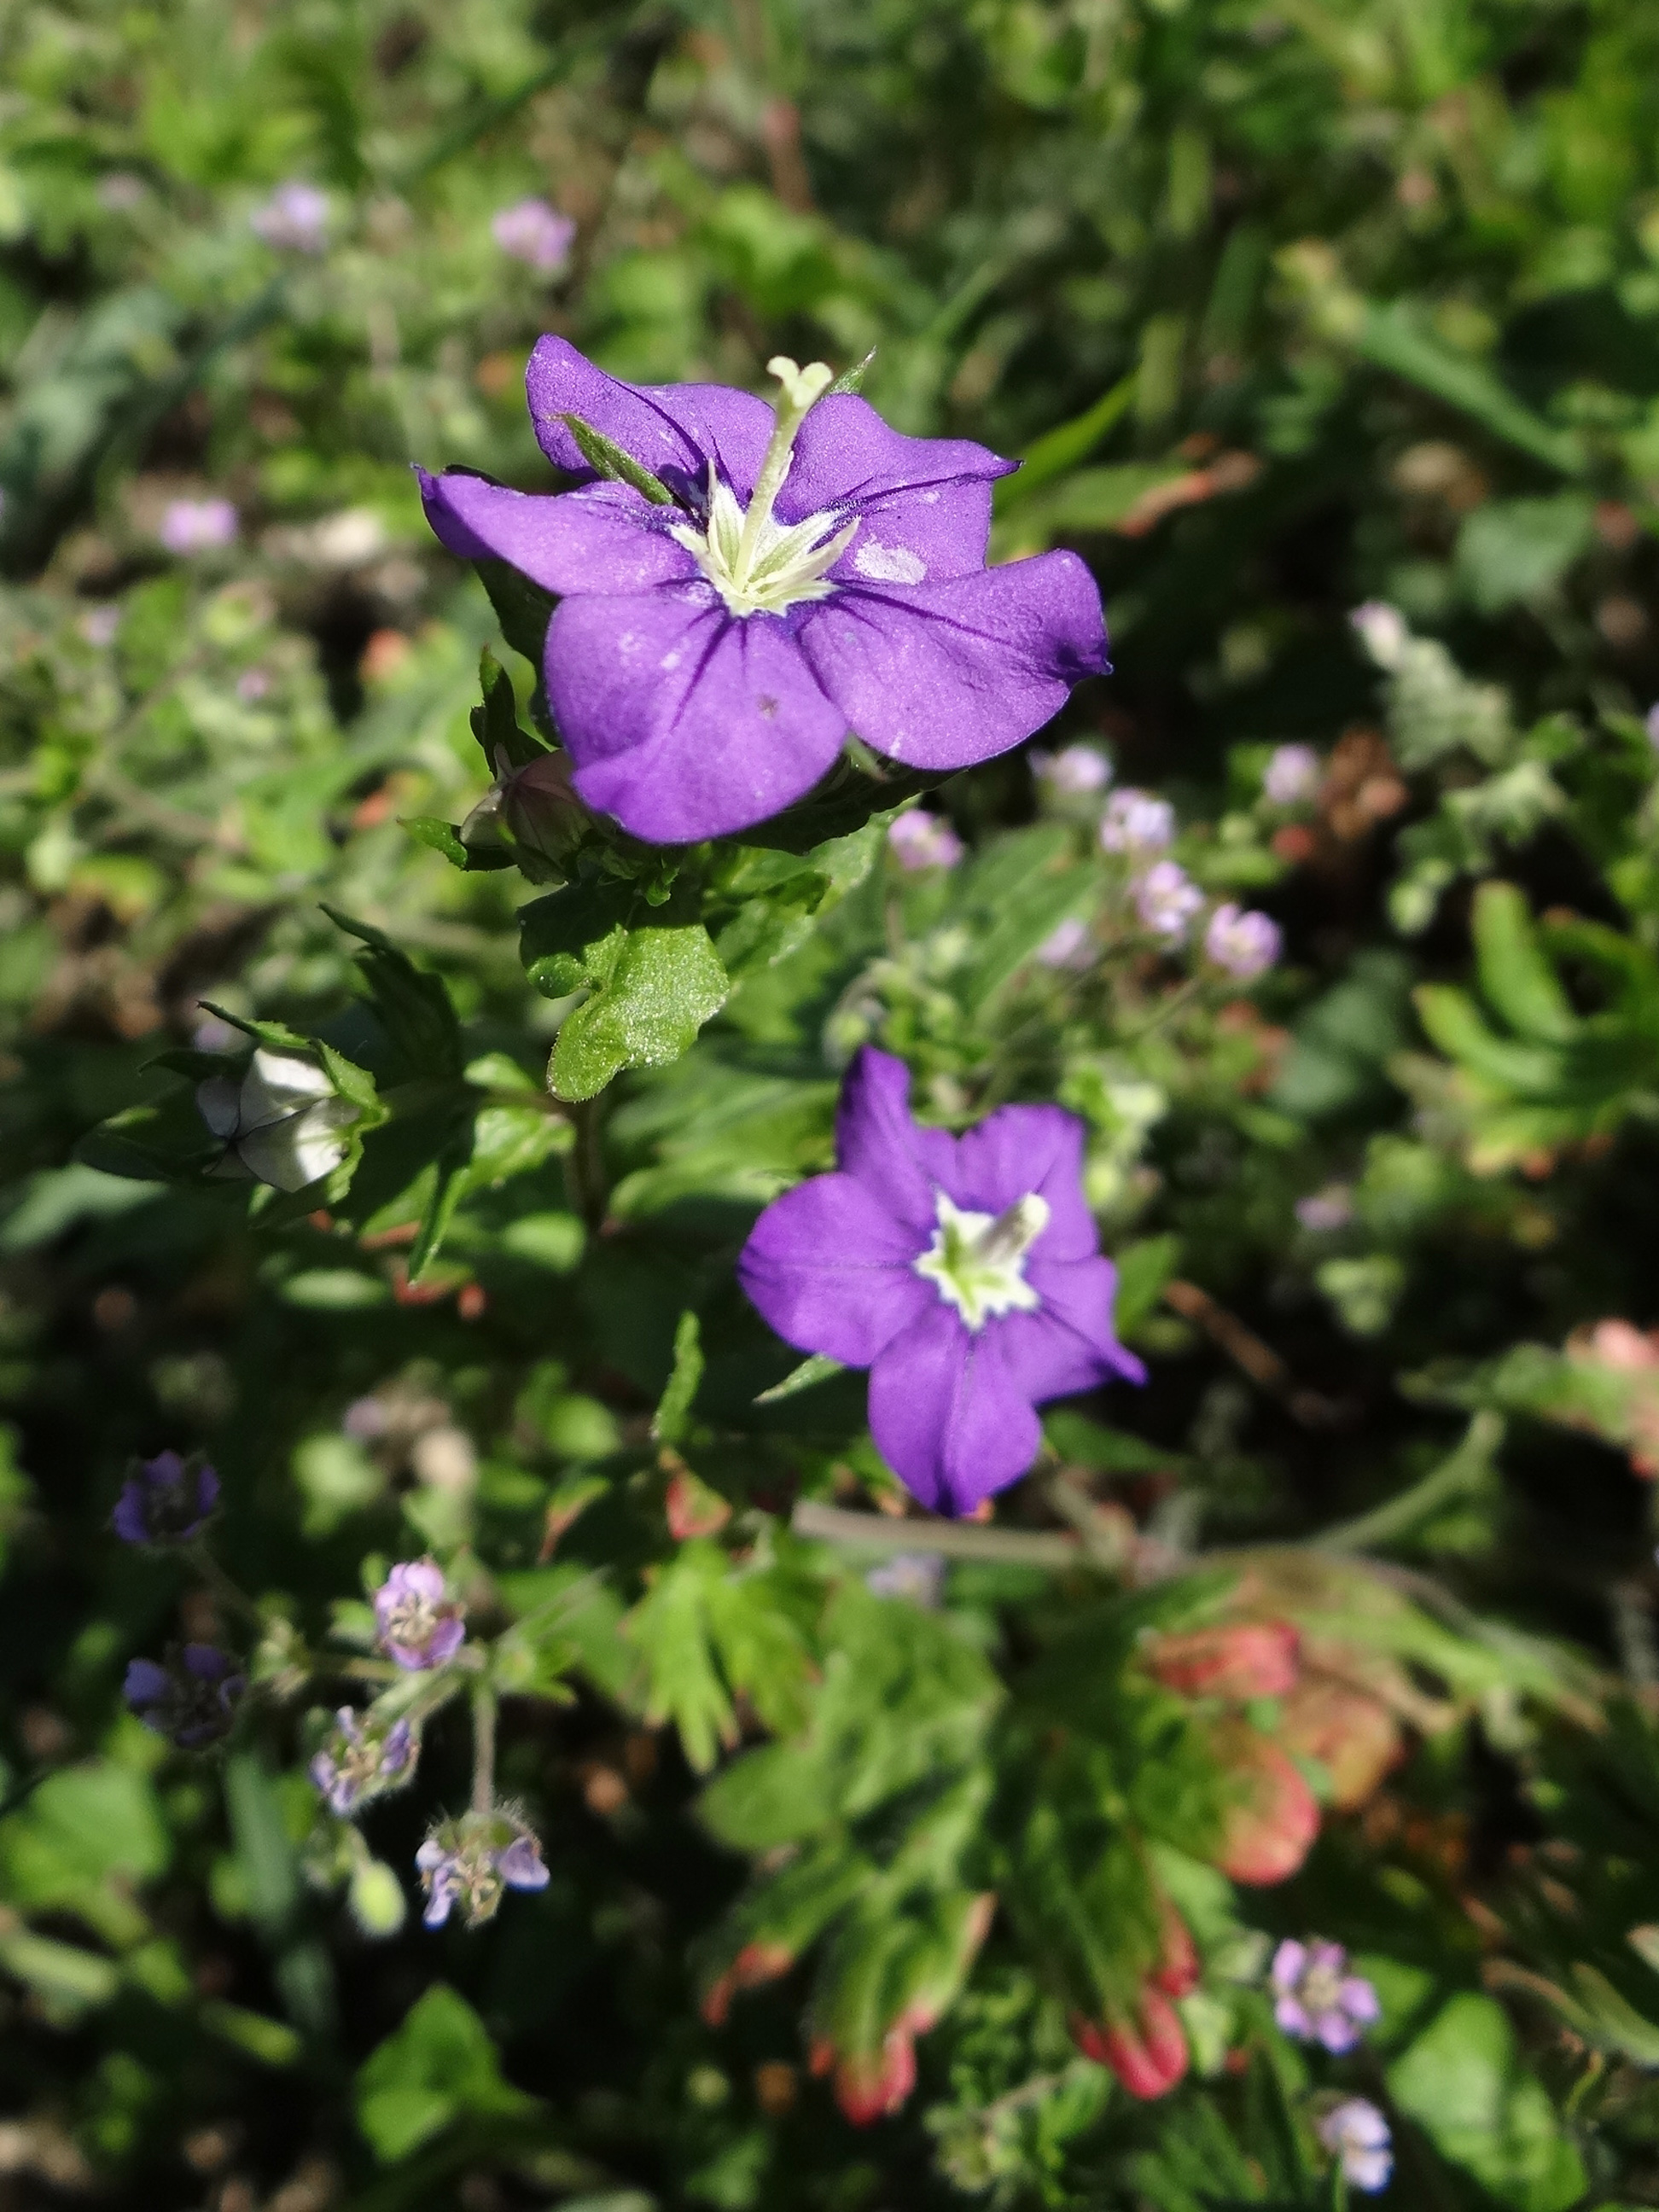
230,1593
483,1749
1398,1517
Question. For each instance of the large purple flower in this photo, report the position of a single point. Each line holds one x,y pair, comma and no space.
963,1272
811,573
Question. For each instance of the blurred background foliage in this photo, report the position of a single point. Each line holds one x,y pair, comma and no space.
1291,309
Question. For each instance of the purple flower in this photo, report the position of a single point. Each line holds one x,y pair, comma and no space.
294,220
419,1627
800,574
1135,822
918,1575
1074,772
1357,2134
166,1500
191,1699
1292,775
963,1272
1243,942
471,1861
1316,2000
1166,899
1068,944
534,233
364,1758
1330,1208
919,840
198,526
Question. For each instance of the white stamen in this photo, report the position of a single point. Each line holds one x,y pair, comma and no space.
978,1260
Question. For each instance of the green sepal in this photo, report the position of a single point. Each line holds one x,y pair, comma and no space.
607,458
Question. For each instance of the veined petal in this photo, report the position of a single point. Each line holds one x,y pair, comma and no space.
947,1415
924,503
943,675
683,721
602,538
878,1143
1029,1148
830,1268
674,430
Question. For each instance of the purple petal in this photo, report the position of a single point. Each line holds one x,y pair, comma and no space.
685,722
673,429
947,1416
207,1662
1293,2017
600,538
924,503
830,1267
421,1578
1336,2031
1020,1149
146,1684
1066,1345
1290,1962
438,1904
166,1469
879,1145
128,1519
1359,1999
445,1641
520,1865
207,1490
943,675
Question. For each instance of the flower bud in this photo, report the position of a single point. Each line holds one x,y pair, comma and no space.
872,2085
1147,2053
166,1500
376,1899
1244,1660
1274,1818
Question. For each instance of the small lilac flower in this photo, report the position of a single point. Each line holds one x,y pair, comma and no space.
364,1758
1315,2000
920,840
419,1627
365,1419
1166,899
802,573
965,1271
1243,942
1357,2134
471,1861
252,685
191,1700
535,233
294,220
1074,772
198,526
1068,944
1330,1208
166,1500
1135,822
918,1575
1292,775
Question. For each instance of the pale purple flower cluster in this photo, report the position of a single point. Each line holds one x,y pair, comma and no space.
770,580
294,220
1074,772
964,1273
192,1699
534,232
420,1627
1292,775
1068,944
198,526
1316,1999
1359,2138
918,842
1134,822
1244,942
1166,899
363,1758
166,1500
470,1861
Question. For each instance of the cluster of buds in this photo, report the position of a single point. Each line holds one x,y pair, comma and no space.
471,1862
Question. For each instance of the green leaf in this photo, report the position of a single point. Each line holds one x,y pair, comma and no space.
445,838
668,1424
571,938
1463,2082
438,2068
496,724
605,455
665,983
817,1367
413,1006
1064,447
523,609
1393,339
1515,975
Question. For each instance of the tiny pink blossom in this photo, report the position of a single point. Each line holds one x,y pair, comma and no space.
1166,899
921,840
198,526
1073,772
1068,944
294,220
1135,822
1292,775
534,232
1330,1208
1243,942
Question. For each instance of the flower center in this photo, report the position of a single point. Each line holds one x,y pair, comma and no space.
757,565
978,1260
1321,1990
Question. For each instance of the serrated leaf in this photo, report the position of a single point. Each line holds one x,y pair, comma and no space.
664,984
414,1007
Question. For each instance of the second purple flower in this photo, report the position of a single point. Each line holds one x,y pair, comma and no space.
965,1271
800,573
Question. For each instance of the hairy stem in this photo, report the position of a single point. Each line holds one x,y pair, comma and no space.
483,1749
